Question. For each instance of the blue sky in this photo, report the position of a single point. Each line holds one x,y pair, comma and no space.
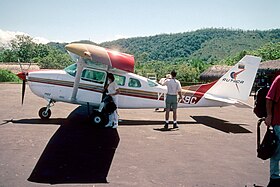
104,20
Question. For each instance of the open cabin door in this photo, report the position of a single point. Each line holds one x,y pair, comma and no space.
91,86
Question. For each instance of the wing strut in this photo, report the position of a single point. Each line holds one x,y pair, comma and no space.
80,65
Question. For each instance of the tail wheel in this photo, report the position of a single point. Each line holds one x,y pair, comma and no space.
98,118
45,114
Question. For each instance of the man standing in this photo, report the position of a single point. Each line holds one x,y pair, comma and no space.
173,88
273,119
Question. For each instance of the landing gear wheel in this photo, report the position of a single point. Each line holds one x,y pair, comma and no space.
98,118
44,114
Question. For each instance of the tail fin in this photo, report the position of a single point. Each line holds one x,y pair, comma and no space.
238,81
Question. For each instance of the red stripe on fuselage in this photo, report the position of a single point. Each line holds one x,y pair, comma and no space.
203,89
196,92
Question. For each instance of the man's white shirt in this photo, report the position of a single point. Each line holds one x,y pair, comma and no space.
173,86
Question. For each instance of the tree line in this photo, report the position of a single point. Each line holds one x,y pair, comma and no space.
23,49
189,53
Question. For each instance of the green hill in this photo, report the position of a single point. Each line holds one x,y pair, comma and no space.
208,45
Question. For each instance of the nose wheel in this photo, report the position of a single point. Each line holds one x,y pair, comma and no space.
45,113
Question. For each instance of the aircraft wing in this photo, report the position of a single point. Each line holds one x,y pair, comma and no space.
102,55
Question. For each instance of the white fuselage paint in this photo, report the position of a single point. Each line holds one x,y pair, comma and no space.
58,86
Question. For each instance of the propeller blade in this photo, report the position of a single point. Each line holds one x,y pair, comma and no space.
23,91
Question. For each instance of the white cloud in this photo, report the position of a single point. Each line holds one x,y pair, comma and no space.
7,36
41,40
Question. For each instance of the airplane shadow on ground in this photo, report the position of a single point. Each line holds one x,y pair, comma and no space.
53,121
149,122
77,153
153,122
221,125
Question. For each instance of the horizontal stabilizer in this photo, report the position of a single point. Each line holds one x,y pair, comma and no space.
241,104
234,102
224,100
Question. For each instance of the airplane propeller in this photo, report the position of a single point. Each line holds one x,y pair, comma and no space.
23,91
22,75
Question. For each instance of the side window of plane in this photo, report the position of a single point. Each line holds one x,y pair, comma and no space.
120,80
134,83
93,76
152,83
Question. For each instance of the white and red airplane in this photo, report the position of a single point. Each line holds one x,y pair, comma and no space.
83,82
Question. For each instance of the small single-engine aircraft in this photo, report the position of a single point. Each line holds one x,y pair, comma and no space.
83,82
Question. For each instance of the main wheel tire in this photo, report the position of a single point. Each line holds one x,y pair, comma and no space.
98,118
45,114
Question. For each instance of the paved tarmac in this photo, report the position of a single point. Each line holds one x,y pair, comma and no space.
214,147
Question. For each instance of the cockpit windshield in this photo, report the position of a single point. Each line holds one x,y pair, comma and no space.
93,64
71,70
73,56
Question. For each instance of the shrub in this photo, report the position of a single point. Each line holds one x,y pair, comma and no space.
7,76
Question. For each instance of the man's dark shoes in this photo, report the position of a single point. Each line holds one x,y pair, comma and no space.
175,126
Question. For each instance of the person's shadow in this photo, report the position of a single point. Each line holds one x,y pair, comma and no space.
77,153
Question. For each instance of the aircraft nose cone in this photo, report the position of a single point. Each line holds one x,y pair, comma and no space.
22,75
